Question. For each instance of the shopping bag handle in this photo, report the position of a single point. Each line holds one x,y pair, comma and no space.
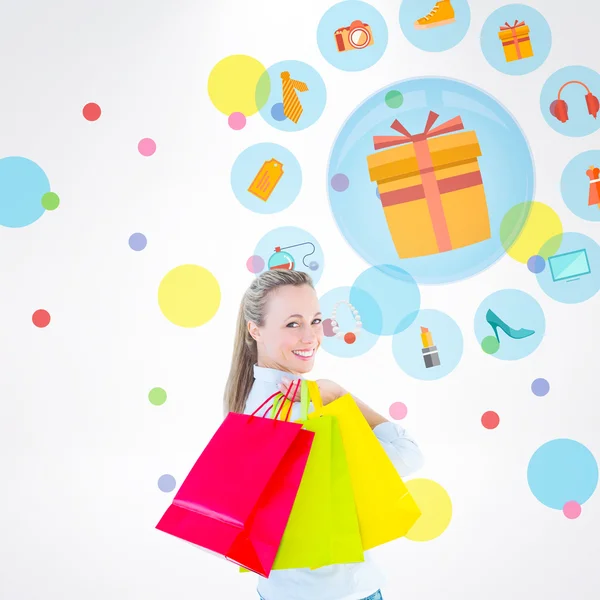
315,395
287,416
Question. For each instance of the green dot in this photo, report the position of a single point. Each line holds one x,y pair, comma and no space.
490,345
157,396
394,99
50,201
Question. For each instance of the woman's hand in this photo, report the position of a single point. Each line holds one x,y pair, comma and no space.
329,390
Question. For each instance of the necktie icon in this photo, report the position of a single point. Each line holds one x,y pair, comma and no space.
292,107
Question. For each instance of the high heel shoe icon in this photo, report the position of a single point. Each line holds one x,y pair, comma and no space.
516,334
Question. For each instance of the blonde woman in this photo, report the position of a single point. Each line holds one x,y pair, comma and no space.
279,331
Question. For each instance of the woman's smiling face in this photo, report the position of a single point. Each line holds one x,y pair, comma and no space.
292,330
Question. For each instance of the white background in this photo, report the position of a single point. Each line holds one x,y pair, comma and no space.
81,448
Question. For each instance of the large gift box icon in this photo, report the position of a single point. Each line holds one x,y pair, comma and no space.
431,188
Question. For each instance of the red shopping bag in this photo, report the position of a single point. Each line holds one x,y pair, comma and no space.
237,499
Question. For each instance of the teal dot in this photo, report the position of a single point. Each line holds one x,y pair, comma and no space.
394,99
490,345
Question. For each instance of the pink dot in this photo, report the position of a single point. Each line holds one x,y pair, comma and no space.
237,121
147,147
572,509
398,410
255,264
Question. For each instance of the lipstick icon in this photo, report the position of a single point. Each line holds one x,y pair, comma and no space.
431,357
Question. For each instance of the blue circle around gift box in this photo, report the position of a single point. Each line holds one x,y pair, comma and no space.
436,39
250,162
407,345
366,307
575,185
572,272
539,33
342,15
580,122
517,310
307,255
506,167
269,95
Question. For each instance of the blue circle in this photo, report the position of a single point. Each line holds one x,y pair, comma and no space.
514,310
277,112
22,185
334,35
137,241
536,263
576,187
573,272
270,91
539,33
506,168
166,483
439,359
580,123
435,39
396,296
306,251
540,387
266,160
560,471
366,307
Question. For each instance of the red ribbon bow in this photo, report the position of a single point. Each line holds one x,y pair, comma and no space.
507,26
387,141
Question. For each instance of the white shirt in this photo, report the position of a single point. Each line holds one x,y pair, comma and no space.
336,582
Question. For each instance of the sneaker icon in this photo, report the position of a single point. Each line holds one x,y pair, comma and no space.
441,14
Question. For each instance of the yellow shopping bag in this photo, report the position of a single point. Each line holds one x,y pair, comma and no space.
386,510
323,526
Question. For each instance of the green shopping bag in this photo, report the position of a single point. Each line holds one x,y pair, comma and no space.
323,525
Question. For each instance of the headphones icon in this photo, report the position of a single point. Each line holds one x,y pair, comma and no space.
560,110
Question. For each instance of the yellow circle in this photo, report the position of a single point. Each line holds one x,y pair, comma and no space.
189,296
233,83
436,509
525,229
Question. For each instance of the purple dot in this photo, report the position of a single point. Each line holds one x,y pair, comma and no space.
255,264
328,328
166,483
137,241
339,182
540,387
536,264
277,112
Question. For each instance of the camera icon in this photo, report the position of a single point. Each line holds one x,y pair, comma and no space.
356,36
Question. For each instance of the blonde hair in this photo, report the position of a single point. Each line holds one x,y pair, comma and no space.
245,353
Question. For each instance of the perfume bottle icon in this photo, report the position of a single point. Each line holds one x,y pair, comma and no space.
285,261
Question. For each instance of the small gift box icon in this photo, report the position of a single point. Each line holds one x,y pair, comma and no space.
515,41
431,188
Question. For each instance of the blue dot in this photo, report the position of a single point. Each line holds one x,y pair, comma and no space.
561,471
313,265
22,185
277,112
137,241
166,483
536,264
540,387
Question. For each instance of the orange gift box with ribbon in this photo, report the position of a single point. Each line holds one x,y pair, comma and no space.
515,41
431,188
